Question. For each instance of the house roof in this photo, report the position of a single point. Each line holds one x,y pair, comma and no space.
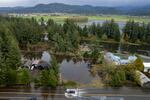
36,62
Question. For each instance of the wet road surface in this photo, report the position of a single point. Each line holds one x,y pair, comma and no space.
86,94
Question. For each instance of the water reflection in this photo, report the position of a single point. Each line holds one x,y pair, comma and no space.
46,57
70,68
90,22
76,71
32,55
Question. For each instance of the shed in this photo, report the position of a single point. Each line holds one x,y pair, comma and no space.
146,66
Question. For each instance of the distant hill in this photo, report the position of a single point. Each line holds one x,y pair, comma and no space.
85,9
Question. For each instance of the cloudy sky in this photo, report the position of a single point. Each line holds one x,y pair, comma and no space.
4,3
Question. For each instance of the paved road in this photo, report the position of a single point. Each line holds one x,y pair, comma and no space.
117,94
29,96
87,94
29,93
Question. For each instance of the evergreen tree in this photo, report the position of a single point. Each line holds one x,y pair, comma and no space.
85,31
23,76
9,49
111,29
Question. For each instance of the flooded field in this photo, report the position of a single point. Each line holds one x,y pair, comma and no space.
90,22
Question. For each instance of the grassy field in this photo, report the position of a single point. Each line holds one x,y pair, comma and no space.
61,18
120,18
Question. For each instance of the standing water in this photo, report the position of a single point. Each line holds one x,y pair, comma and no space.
70,69
76,71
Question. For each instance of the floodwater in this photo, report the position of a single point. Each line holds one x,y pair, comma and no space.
90,22
76,70
125,47
116,46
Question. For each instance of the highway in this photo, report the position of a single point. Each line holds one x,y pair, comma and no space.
86,94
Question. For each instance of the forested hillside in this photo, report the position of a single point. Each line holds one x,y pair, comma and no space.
78,9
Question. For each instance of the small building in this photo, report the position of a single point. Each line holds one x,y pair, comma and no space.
144,80
146,67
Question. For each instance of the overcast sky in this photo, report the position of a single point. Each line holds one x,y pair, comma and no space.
4,3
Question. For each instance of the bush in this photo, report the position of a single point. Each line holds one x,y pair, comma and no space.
9,77
118,78
70,84
23,77
139,64
48,78
104,37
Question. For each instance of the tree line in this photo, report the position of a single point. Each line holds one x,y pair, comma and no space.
64,37
24,30
15,32
67,37
136,32
108,30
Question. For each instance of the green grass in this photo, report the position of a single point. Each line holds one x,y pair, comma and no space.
120,18
60,19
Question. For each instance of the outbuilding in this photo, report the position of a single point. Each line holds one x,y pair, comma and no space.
146,67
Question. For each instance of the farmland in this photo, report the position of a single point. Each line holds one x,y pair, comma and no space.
60,18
